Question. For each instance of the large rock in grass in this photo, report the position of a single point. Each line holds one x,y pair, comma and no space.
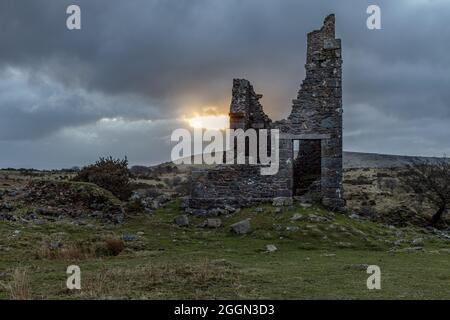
182,221
316,218
213,223
282,201
7,207
297,217
7,217
241,227
217,212
271,248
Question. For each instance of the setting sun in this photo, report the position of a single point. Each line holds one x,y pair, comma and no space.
216,122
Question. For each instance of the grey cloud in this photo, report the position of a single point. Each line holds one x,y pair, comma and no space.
34,107
142,141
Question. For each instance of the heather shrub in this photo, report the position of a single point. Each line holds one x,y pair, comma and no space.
110,174
114,246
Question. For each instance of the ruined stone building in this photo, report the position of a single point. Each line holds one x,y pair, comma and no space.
310,138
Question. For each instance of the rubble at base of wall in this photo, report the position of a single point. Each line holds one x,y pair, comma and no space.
220,206
334,204
225,206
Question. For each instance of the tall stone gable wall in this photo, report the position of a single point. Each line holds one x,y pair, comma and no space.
316,114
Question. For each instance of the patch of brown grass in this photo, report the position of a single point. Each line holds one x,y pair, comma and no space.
19,287
114,246
80,251
71,252
162,281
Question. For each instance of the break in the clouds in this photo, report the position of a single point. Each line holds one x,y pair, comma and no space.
137,68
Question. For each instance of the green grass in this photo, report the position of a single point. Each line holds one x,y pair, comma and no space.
315,260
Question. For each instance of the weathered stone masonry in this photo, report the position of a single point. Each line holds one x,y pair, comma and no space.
316,117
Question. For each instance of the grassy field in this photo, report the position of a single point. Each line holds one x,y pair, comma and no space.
320,256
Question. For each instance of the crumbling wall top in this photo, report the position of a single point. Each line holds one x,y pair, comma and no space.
320,94
245,110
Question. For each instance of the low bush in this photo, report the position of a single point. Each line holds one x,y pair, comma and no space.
110,174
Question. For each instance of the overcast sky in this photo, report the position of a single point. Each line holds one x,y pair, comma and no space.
137,68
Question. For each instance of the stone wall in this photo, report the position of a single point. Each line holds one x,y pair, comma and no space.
235,185
318,108
316,114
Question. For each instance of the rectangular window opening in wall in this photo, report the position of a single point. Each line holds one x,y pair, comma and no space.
307,164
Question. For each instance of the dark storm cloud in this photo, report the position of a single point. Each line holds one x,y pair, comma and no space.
153,60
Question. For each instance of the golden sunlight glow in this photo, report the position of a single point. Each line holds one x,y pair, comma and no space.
216,122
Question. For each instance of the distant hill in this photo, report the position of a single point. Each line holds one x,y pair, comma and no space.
353,160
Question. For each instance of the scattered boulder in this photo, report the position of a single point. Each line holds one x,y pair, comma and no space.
315,218
304,199
149,199
344,244
217,212
282,201
55,244
49,211
13,193
241,227
31,216
271,248
162,199
417,242
212,223
328,255
184,202
182,221
230,209
7,217
361,266
116,218
7,207
130,237
197,212
297,217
